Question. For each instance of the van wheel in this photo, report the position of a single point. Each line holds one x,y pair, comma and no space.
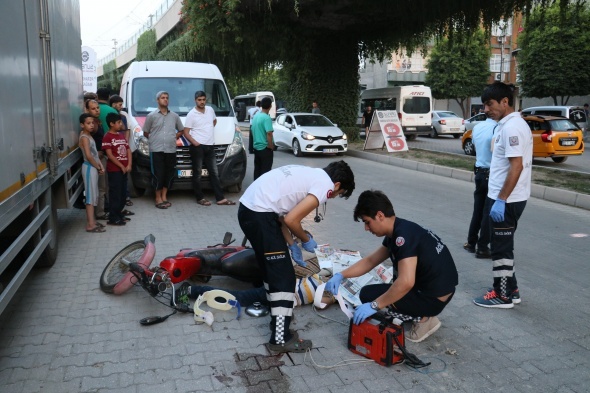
456,136
235,188
411,137
559,160
433,133
134,192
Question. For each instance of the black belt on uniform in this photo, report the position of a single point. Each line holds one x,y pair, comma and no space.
478,169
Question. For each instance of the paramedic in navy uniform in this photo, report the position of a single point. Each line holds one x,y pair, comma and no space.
426,273
270,213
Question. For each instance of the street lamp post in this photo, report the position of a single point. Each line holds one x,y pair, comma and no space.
501,38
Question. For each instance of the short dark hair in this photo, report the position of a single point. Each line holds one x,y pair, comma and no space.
498,90
266,103
200,93
371,202
87,103
113,118
85,116
90,96
340,172
115,98
586,104
103,93
258,103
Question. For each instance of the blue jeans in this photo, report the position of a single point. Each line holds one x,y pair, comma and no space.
205,155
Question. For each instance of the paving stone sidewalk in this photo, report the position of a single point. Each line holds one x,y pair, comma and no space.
62,334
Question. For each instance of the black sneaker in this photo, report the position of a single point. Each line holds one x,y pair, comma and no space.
469,247
483,254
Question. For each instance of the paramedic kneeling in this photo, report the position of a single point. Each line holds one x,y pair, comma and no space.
426,274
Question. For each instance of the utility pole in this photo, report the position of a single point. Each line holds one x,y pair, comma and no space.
502,38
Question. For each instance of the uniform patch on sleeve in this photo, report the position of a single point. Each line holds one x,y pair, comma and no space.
400,241
513,141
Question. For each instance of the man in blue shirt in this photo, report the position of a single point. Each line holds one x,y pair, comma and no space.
480,222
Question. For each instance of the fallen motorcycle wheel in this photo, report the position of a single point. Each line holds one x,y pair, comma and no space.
116,271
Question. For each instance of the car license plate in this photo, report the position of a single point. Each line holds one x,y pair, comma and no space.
455,129
568,142
189,172
410,128
330,150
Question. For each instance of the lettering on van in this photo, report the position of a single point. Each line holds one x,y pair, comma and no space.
417,93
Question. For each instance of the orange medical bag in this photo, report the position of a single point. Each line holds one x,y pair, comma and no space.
379,339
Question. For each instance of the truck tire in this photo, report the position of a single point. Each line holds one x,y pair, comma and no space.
241,113
49,256
134,192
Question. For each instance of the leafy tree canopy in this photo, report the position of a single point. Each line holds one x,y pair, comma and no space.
459,68
555,53
319,43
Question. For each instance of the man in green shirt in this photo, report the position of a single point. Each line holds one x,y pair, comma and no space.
263,143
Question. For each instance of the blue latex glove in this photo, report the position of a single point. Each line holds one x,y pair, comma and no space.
362,312
309,245
297,255
497,211
334,283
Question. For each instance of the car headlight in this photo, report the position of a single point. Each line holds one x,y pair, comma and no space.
344,136
307,136
237,144
143,145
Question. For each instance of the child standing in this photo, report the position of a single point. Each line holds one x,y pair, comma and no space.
117,150
117,102
90,171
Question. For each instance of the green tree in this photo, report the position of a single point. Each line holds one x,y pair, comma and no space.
458,68
146,46
555,53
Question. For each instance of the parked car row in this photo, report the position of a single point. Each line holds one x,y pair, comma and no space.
553,137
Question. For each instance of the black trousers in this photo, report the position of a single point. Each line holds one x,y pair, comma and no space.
163,169
263,230
414,303
204,155
262,162
502,247
479,228
117,195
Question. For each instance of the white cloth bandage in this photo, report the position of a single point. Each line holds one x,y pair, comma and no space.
210,297
317,301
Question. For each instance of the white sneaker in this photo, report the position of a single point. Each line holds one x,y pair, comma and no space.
421,330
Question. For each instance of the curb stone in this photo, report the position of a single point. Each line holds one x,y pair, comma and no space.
551,194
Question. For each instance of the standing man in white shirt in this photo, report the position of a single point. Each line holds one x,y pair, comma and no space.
199,130
509,187
270,214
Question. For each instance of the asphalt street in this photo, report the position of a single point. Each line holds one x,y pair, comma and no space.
448,144
62,334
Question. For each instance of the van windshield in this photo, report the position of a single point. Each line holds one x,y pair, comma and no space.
182,95
416,105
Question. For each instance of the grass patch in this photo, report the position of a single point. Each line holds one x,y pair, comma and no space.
571,181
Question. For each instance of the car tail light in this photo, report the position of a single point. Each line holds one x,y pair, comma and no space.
547,136
443,122
462,121
399,114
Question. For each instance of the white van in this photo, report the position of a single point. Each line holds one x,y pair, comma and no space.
574,113
412,103
181,80
244,102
